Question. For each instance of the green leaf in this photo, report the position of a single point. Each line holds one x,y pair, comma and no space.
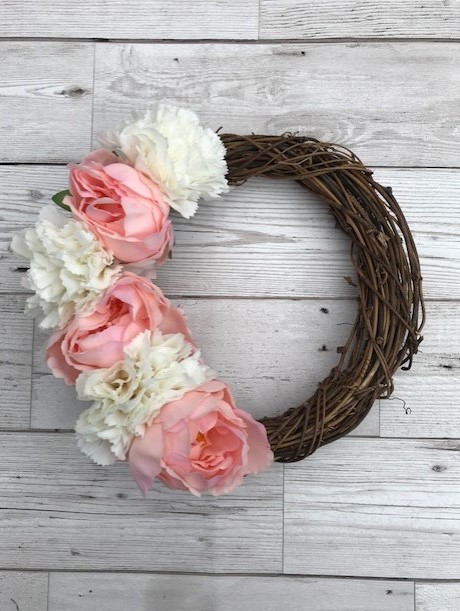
58,199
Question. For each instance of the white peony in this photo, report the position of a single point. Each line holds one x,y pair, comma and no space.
169,145
68,266
156,369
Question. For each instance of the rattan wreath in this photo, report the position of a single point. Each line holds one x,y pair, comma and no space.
154,402
386,331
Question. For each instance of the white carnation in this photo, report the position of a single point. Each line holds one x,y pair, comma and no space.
169,145
68,266
91,441
156,369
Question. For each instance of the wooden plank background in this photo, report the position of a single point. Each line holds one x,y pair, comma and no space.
94,592
393,103
46,94
368,509
369,523
165,19
359,19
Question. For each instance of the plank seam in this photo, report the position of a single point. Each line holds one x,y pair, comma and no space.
353,437
231,41
178,296
63,164
226,574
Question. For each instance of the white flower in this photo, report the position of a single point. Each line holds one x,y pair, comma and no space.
156,369
184,158
90,439
68,266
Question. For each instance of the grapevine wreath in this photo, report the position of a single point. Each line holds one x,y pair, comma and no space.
155,402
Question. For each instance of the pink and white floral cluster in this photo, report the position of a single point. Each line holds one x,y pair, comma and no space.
117,338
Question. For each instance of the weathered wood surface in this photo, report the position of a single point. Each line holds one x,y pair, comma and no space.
392,104
217,19
368,507
287,245
437,596
60,511
426,399
273,353
121,592
162,19
23,591
359,19
394,119
15,369
45,100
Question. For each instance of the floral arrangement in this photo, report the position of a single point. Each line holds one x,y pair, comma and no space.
116,337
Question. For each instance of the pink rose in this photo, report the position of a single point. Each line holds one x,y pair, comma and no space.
130,306
122,207
201,443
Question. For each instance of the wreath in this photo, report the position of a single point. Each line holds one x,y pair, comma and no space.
155,403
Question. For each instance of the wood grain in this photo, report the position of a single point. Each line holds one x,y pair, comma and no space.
425,403
163,19
375,507
23,591
392,104
45,101
359,19
437,596
15,369
296,341
120,592
60,511
287,245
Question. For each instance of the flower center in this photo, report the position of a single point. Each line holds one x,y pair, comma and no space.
199,438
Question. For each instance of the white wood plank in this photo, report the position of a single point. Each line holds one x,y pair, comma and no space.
15,369
393,104
23,591
121,592
45,100
359,19
286,247
60,511
296,342
165,19
425,403
437,596
375,507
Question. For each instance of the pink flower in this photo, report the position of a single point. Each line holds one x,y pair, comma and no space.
130,306
122,207
201,443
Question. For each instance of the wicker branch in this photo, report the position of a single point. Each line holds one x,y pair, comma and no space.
391,313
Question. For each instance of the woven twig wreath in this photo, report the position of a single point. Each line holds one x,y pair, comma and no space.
155,402
386,332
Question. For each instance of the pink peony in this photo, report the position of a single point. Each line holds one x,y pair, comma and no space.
122,207
201,443
130,306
